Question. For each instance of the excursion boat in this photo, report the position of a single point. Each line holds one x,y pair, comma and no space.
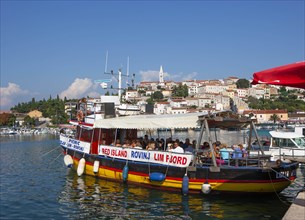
91,152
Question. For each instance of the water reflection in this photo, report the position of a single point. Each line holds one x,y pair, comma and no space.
88,197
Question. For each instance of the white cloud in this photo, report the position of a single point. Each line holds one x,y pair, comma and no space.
78,89
9,94
153,75
189,76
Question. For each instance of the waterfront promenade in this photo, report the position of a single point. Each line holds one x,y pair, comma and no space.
297,209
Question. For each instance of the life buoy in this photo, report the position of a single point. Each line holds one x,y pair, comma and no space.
80,115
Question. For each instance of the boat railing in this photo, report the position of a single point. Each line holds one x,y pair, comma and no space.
257,160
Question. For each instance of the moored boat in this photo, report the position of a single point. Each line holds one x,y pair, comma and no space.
93,152
287,146
283,145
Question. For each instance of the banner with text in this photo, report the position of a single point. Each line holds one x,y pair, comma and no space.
74,144
160,157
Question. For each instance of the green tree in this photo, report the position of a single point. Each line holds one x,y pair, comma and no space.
150,101
180,91
242,83
274,118
29,121
157,95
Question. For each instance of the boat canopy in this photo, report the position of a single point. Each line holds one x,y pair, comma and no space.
153,122
286,135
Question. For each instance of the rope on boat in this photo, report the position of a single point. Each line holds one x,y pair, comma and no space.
277,194
285,177
50,151
55,158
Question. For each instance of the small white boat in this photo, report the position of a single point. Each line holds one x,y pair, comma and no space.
127,109
287,145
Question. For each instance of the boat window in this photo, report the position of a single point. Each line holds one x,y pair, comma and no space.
277,142
299,141
290,143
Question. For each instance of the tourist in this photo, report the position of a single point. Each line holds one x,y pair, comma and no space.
237,153
151,145
138,144
243,150
118,143
186,144
177,148
224,153
189,149
126,143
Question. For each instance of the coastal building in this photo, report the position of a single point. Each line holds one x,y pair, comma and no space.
242,93
161,107
264,116
131,95
297,117
178,103
256,92
167,93
192,101
181,110
215,88
231,80
35,114
204,102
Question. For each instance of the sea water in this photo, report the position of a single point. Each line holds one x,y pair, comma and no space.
35,184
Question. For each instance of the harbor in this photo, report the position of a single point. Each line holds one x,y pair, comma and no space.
49,190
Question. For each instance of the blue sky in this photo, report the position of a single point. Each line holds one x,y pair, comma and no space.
59,47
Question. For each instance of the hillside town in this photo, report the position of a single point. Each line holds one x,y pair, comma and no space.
169,97
211,95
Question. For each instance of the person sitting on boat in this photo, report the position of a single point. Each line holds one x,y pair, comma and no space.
215,151
118,143
127,143
177,148
145,141
138,145
169,146
151,145
186,144
224,153
205,147
237,153
243,150
133,143
189,149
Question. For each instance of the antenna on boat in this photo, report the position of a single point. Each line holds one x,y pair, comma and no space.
106,62
119,79
103,82
127,71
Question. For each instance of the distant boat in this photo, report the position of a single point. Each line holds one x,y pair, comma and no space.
128,109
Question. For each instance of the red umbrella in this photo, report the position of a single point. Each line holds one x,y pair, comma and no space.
292,75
